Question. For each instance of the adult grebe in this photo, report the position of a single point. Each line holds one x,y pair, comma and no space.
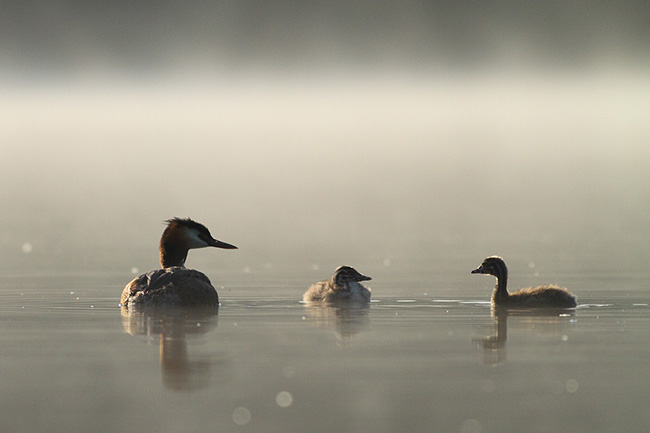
173,284
343,286
531,297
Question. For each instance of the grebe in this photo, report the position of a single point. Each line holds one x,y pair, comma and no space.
343,286
532,297
173,284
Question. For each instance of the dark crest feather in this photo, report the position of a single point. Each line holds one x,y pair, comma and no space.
189,223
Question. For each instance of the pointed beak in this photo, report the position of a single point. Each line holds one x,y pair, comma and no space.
478,270
364,278
219,244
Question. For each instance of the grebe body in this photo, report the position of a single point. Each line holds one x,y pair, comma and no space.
343,286
174,285
549,296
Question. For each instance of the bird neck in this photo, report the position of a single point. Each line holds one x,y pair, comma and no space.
500,290
171,253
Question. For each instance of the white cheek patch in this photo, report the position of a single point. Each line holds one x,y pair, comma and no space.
193,240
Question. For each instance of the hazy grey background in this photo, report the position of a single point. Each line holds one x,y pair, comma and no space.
324,132
73,37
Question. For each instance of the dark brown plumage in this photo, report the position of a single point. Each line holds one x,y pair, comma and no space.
549,296
173,285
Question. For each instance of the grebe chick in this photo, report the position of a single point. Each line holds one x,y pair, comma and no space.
532,297
173,285
343,286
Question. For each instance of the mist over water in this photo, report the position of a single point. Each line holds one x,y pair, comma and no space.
362,166
422,116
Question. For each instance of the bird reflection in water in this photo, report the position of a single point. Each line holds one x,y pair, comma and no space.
345,319
171,327
539,321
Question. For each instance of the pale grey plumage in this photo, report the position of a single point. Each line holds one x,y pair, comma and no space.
343,286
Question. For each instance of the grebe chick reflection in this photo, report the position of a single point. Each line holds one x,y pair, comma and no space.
174,285
549,296
343,286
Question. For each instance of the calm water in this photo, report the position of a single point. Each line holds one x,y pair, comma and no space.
422,356
412,183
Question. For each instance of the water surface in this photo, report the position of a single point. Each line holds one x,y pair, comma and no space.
430,358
